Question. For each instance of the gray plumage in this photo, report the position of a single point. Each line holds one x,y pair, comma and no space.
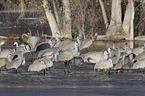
68,54
75,61
3,62
115,57
1,43
6,52
140,56
139,50
49,43
22,47
130,62
44,45
140,64
127,49
94,57
37,46
125,62
14,64
17,60
37,66
49,53
112,52
32,41
103,64
68,44
87,42
40,64
5,57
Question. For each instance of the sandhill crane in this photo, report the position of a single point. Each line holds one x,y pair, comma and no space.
140,64
125,62
140,56
5,55
32,41
75,61
103,64
37,66
17,60
35,44
138,50
49,43
112,52
6,52
87,42
1,43
127,49
16,44
117,54
130,62
68,44
65,55
122,60
93,57
68,54
40,64
68,50
21,47
3,62
44,45
49,53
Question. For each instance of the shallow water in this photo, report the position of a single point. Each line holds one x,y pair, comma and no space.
72,92
82,81
86,84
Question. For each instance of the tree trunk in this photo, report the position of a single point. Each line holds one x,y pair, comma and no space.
67,20
115,27
56,14
22,6
132,21
128,23
51,19
116,12
81,23
104,13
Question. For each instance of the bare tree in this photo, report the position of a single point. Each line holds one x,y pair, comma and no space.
78,9
104,13
67,19
116,28
128,23
54,19
51,19
22,6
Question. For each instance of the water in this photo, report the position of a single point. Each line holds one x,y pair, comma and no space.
73,92
85,84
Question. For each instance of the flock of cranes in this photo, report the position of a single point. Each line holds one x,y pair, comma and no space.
55,50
